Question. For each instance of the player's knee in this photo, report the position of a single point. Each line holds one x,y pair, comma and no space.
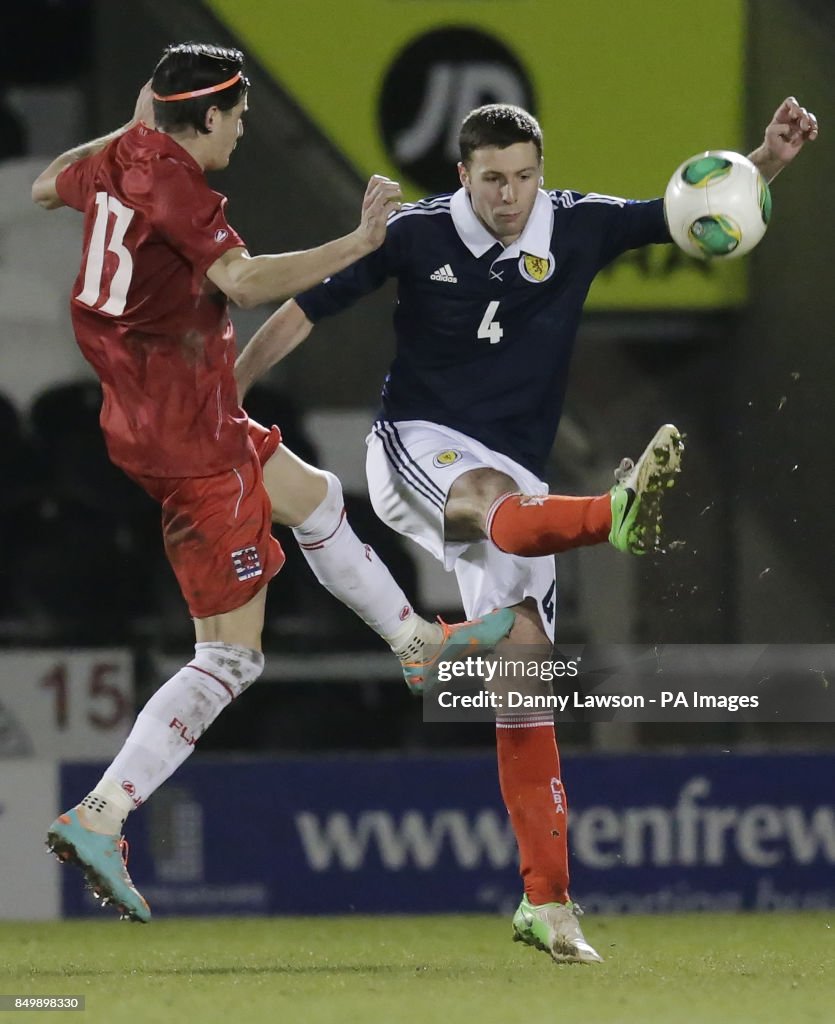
236,668
321,523
462,521
469,502
295,489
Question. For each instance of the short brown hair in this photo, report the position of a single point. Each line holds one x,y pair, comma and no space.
500,125
187,66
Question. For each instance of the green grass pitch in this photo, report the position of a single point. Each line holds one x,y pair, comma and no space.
706,969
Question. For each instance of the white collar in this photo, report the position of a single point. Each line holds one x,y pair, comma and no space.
535,239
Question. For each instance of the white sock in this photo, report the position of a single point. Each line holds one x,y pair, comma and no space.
106,807
413,638
352,572
167,729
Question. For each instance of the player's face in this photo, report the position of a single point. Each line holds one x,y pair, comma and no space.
227,127
502,184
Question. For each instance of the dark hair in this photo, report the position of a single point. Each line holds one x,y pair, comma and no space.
185,67
500,125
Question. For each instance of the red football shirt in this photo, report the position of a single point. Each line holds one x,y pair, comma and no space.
155,329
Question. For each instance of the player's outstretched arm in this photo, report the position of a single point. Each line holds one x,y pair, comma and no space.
274,339
44,192
791,127
250,280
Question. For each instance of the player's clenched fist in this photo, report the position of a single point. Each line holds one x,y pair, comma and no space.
382,198
791,126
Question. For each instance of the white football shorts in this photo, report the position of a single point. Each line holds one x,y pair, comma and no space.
411,466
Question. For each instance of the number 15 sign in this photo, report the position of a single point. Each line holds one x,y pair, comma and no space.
65,705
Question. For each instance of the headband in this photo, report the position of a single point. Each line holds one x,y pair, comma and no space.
199,92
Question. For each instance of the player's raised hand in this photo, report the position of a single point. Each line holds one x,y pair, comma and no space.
791,127
382,198
144,110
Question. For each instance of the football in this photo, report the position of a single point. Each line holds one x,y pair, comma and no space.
717,205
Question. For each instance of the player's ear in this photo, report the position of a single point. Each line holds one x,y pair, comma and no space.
464,175
212,115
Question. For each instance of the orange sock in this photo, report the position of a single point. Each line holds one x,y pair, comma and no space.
529,775
524,524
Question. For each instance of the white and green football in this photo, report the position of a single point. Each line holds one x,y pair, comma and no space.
717,205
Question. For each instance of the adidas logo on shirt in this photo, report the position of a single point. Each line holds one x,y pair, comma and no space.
444,273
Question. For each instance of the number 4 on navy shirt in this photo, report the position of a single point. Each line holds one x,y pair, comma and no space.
485,333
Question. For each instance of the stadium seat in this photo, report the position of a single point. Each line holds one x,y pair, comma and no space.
94,533
269,404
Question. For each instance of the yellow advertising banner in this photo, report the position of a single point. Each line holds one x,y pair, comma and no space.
625,90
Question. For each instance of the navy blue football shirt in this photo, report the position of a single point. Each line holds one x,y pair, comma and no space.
485,333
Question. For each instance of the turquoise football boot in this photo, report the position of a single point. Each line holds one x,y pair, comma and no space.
103,859
477,636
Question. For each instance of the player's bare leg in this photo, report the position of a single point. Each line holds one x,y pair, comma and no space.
227,660
310,501
486,503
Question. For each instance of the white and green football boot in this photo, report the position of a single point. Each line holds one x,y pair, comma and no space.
637,495
554,928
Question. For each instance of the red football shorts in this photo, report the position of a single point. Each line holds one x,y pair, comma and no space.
217,530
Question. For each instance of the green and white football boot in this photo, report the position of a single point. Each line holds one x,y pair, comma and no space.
640,488
554,928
